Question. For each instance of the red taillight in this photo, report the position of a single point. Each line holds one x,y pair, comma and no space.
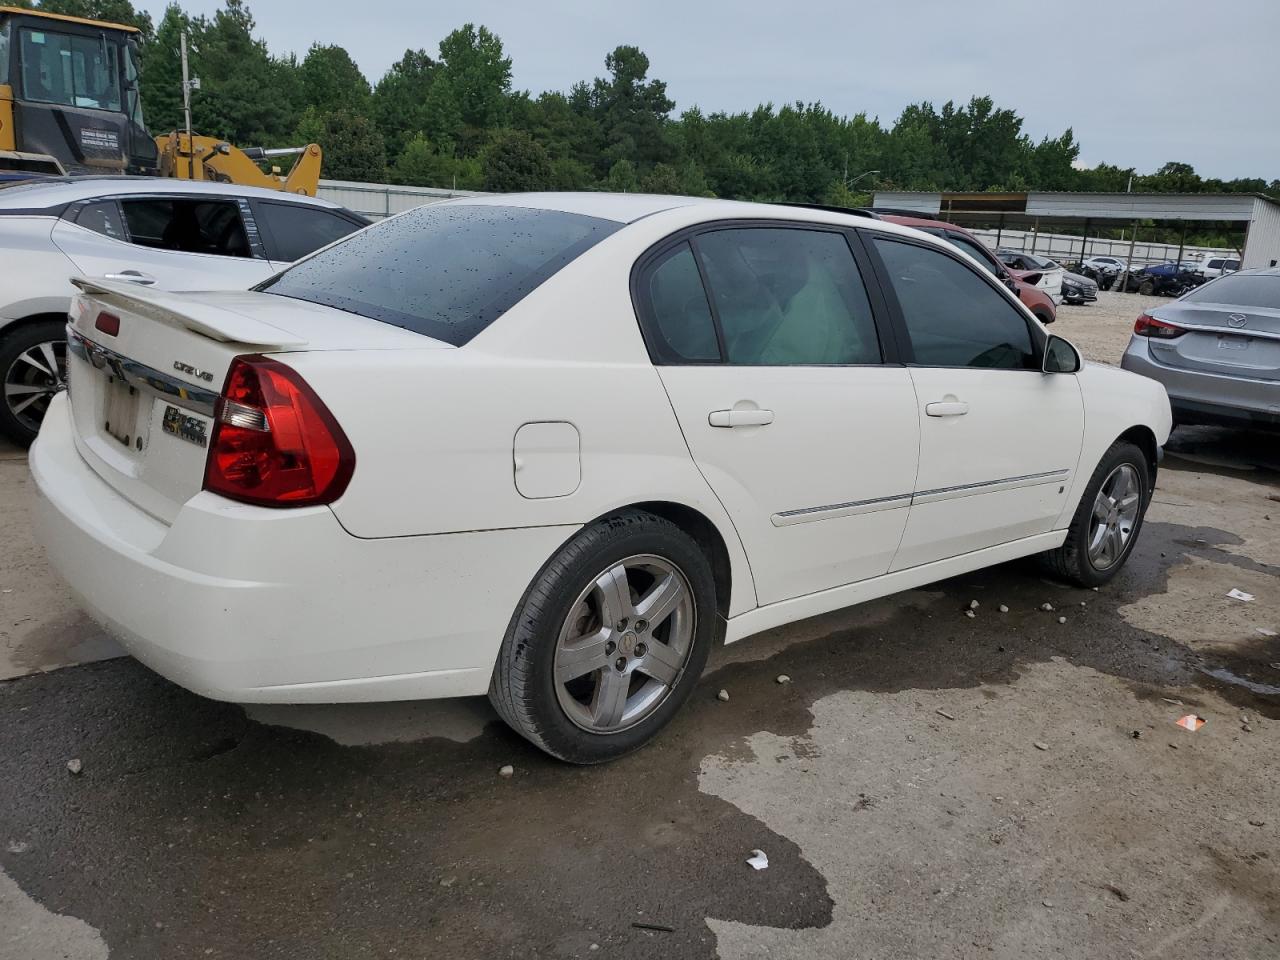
274,441
108,323
1149,326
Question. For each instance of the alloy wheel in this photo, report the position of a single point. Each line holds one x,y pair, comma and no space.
34,378
625,643
1115,514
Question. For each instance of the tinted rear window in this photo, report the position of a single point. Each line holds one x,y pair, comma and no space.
446,271
1241,290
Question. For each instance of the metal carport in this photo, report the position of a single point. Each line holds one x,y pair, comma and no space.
1256,216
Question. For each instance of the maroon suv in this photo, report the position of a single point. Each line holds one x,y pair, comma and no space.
1035,299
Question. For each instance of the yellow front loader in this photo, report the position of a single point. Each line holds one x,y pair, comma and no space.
193,157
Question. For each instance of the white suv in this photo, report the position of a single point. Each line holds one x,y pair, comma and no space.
1211,267
170,234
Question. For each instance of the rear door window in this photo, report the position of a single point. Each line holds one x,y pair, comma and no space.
683,330
787,296
294,230
102,216
187,225
954,318
443,270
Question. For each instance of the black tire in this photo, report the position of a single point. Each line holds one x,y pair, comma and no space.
524,690
1044,318
12,345
1146,288
1071,561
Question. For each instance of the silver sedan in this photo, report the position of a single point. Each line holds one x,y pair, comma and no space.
1216,350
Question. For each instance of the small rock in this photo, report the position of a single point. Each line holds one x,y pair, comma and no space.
506,771
1003,608
1120,892
1040,746
18,846
1046,606
447,882
1095,589
723,696
970,614
1083,604
75,766
1137,734
1244,718
973,604
942,713
1062,619
1257,823
1246,728
782,678
595,946
1047,903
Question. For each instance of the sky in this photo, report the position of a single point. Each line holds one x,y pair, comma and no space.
1141,82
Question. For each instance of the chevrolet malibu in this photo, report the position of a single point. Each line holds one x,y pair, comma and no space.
555,447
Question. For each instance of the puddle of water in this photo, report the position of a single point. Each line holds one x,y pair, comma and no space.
1226,676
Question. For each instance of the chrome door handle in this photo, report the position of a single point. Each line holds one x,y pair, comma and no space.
946,408
132,276
740,418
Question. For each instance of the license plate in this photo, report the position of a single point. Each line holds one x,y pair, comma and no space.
120,417
1233,343
190,429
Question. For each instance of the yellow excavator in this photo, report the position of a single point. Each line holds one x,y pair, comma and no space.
70,104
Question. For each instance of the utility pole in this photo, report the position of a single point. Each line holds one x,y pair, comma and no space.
188,84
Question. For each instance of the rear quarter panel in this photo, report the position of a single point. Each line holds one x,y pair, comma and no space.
34,275
434,430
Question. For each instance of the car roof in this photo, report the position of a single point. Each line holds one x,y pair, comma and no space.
59,191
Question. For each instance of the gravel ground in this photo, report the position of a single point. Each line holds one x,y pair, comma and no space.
1100,330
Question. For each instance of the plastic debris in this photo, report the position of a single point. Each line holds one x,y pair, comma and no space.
1046,606
782,678
639,925
1040,746
1240,595
75,766
758,860
1257,823
973,604
1267,632
723,696
942,713
1191,722
1003,608
506,771
970,614
1120,892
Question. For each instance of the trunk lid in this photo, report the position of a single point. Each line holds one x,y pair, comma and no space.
1221,339
142,400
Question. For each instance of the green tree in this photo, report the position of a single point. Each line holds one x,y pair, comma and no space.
330,80
515,161
400,97
622,177
247,96
353,148
161,79
468,94
632,113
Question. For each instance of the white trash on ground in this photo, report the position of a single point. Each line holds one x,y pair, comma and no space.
758,860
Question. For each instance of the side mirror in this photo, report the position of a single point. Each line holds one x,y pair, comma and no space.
1060,356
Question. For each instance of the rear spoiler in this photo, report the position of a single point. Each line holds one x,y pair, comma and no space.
188,312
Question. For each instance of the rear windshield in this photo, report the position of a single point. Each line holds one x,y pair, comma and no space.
444,270
1240,290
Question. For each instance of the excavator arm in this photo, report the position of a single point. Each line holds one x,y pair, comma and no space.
208,158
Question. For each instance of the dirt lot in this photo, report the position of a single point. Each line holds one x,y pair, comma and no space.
927,785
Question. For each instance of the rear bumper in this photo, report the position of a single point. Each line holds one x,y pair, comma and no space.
1205,397
250,604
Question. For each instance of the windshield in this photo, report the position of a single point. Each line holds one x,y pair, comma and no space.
1240,290
132,92
443,270
73,71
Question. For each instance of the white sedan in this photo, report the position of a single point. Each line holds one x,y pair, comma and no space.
554,447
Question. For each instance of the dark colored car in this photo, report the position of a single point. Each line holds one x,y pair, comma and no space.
1164,280
1035,299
